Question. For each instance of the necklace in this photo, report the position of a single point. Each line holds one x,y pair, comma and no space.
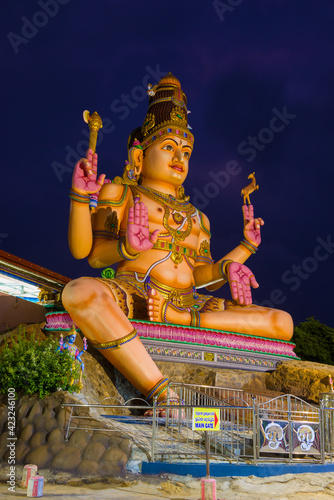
177,234
166,199
178,207
177,217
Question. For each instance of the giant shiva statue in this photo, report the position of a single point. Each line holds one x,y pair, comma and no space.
161,242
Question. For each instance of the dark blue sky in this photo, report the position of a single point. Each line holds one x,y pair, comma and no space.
259,77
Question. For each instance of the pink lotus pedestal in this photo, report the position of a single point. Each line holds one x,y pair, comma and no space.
201,346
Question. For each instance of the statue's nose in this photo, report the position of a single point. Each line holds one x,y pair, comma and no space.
178,156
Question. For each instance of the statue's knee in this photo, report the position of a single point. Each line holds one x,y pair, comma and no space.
283,324
85,292
77,292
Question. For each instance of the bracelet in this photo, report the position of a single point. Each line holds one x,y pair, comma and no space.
123,253
222,268
80,198
252,248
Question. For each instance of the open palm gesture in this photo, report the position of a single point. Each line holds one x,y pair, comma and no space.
241,278
137,232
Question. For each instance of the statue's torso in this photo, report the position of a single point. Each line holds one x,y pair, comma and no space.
179,275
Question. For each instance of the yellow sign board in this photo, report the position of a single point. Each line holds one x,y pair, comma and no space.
206,419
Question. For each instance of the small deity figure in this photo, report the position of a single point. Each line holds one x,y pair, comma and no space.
67,344
161,242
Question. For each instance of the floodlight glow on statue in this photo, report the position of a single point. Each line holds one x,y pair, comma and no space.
146,224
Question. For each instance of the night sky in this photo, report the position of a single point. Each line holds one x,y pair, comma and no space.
259,78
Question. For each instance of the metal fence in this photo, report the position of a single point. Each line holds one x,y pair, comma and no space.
327,409
252,428
174,437
289,428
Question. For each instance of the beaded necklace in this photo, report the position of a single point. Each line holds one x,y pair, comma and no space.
178,207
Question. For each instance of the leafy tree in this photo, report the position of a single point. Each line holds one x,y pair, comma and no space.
314,341
33,366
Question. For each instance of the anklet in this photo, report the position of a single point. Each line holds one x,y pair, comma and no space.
195,318
158,389
115,343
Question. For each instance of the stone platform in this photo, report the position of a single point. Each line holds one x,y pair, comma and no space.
199,346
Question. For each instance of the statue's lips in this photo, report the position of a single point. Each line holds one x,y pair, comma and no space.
179,168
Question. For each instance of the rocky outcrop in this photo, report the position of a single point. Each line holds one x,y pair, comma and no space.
40,432
301,378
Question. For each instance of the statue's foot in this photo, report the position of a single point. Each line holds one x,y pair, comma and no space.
155,306
174,412
155,302
174,401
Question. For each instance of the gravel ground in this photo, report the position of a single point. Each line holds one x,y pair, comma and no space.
140,487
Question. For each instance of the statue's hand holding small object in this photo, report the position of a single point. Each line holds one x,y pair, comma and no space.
84,179
252,227
241,278
138,238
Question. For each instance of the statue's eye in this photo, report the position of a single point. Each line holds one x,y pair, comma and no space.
186,155
168,147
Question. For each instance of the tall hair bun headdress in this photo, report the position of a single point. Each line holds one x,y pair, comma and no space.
166,114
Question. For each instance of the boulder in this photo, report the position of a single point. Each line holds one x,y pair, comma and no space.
304,379
40,456
67,459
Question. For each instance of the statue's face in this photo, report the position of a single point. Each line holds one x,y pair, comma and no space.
167,160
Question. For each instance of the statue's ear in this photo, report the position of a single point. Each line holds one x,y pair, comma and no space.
137,160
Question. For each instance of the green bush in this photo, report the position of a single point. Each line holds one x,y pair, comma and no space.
314,341
33,366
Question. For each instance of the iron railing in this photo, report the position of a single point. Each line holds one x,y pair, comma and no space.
252,428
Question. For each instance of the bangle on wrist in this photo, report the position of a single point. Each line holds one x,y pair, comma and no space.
252,248
80,198
222,268
123,253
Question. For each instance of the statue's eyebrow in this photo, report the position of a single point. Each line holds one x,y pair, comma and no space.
169,139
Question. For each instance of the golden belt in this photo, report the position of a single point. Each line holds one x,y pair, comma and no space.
178,251
179,297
